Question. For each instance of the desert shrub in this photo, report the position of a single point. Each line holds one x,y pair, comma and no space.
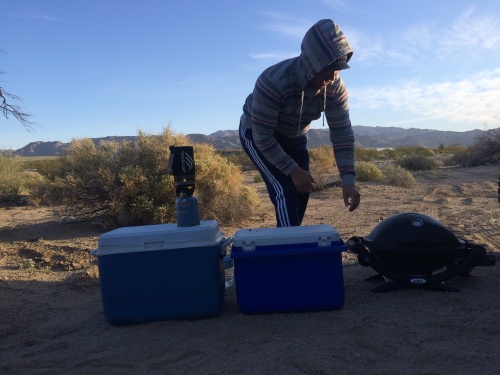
398,176
21,182
51,168
129,182
239,158
12,179
448,162
322,165
417,163
220,188
466,157
366,171
257,178
366,154
403,151
38,190
448,149
125,181
486,147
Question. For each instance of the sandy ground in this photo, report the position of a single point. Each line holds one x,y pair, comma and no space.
51,312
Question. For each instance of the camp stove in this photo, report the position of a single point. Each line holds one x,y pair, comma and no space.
416,251
182,168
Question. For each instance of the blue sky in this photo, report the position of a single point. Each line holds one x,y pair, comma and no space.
114,67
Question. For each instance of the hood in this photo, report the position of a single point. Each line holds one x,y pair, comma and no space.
323,43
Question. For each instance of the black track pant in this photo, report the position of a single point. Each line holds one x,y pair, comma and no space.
289,203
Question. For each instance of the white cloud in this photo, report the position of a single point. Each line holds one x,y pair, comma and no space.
471,34
285,25
474,100
371,49
272,56
336,4
43,17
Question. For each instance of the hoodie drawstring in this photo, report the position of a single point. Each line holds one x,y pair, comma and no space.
302,105
324,106
300,113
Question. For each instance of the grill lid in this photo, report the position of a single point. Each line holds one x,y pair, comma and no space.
414,243
409,230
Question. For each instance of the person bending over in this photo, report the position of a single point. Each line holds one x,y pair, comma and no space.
277,115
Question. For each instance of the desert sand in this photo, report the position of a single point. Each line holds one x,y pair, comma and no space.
51,312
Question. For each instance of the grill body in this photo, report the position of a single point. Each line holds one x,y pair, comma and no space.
412,249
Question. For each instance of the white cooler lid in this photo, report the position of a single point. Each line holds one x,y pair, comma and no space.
321,233
159,237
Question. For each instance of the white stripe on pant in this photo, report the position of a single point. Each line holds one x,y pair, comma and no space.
281,208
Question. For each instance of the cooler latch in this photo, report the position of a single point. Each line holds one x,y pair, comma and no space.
248,246
324,241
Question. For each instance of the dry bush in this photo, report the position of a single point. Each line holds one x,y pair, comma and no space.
417,163
38,190
398,176
367,154
49,167
239,158
466,157
220,189
366,171
257,178
129,182
12,180
487,146
322,166
403,151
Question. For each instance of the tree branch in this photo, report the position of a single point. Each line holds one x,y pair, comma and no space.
14,110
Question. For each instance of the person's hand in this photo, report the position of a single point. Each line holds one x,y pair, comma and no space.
303,180
351,196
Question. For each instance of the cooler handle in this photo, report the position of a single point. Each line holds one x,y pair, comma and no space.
93,252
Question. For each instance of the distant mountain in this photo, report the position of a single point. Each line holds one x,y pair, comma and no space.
57,148
366,136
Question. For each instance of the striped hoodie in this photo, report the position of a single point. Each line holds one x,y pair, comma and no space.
282,102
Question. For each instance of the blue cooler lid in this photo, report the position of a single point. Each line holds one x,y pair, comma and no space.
159,237
252,239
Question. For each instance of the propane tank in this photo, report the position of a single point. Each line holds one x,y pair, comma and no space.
186,210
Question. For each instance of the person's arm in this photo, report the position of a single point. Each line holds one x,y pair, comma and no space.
341,134
342,138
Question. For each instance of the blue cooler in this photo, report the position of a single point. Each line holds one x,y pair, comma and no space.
160,272
288,269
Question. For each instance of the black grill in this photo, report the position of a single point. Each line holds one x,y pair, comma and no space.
415,250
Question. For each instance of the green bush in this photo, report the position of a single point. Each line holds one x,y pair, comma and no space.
398,176
12,180
322,165
417,163
366,172
367,154
51,168
466,158
129,182
239,158
403,151
257,178
37,190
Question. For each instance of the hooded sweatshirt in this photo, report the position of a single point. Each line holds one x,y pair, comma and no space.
283,105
